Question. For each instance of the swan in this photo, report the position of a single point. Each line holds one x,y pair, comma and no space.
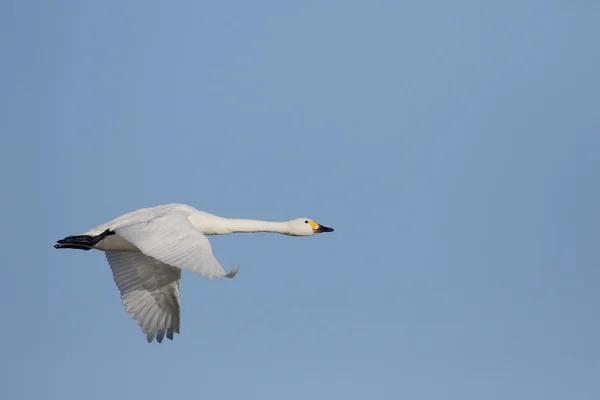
148,248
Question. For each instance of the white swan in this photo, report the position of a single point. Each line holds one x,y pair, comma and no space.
147,249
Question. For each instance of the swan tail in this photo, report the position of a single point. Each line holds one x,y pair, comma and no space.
82,242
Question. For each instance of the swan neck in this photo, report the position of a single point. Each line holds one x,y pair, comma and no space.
234,225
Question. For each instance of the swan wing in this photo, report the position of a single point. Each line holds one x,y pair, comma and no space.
149,291
171,238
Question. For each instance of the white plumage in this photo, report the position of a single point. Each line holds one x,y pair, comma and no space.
147,249
149,291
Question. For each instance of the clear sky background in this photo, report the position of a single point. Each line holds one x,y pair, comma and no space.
453,146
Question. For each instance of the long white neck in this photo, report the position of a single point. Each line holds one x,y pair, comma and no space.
252,225
224,226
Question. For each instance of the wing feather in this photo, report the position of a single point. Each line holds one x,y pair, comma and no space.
149,292
173,240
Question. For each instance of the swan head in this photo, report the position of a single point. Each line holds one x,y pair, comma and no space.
306,227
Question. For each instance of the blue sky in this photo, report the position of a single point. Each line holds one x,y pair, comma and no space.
453,146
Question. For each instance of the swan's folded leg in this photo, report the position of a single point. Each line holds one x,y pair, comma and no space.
232,273
82,242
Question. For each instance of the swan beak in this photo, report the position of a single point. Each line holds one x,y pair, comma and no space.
321,229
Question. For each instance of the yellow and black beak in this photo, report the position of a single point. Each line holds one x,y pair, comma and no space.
317,228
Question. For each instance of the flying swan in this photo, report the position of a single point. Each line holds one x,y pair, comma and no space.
147,249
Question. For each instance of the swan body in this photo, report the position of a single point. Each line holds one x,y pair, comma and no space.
148,248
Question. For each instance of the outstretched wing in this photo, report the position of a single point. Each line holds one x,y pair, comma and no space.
149,291
173,240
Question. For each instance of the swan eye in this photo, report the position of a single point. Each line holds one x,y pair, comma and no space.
306,222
